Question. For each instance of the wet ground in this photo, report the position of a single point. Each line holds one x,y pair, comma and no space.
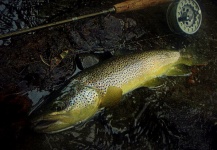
179,115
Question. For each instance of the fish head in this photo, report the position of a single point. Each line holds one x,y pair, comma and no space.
73,105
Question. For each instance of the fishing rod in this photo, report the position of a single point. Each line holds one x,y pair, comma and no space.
129,5
183,16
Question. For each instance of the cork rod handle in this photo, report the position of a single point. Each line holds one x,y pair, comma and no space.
131,5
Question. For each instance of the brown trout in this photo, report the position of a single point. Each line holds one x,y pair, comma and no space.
104,84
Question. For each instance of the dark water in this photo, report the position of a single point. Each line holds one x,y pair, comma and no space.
179,115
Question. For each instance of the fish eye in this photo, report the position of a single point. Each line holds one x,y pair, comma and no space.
58,106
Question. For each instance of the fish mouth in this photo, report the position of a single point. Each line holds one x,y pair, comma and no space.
42,125
50,123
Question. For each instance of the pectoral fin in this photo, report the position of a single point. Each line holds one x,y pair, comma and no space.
113,96
178,70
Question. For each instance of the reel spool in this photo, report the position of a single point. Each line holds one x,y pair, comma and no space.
184,16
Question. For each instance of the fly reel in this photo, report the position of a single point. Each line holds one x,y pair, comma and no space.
184,16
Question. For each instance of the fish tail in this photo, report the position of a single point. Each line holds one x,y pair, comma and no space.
192,58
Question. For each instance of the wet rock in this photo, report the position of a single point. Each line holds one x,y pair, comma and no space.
81,44
64,7
86,60
39,60
113,28
17,15
104,34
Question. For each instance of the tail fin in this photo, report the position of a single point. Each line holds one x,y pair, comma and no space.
191,58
